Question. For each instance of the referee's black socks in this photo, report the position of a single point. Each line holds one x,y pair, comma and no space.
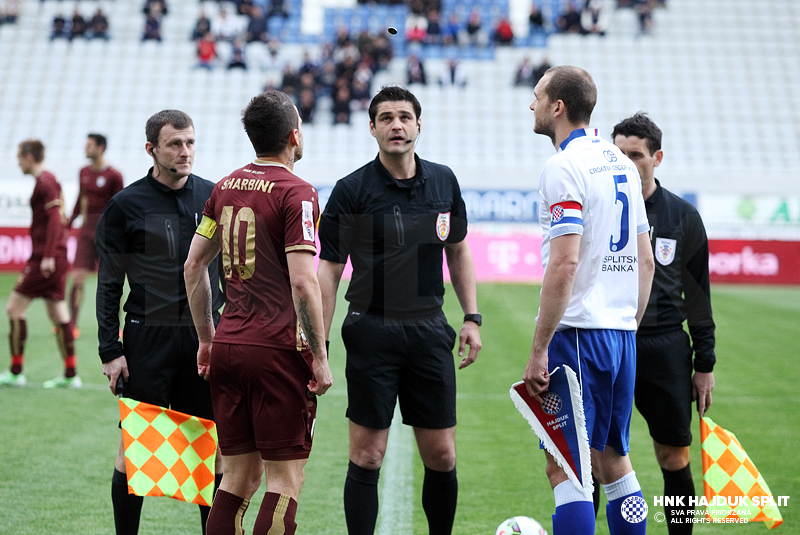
127,507
679,483
439,499
361,499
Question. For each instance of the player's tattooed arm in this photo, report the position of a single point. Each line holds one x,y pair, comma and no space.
305,321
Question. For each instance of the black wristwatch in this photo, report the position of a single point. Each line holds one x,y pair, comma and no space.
474,318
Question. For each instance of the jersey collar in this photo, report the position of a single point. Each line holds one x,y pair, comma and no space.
267,163
580,132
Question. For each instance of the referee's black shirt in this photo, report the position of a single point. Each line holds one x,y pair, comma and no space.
681,283
394,232
145,233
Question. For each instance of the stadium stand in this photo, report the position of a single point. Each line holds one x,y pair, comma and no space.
720,77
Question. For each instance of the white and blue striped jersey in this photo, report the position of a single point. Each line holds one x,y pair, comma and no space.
591,188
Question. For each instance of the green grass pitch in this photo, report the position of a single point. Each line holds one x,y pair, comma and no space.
57,447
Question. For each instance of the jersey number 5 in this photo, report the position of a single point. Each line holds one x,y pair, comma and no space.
623,222
232,256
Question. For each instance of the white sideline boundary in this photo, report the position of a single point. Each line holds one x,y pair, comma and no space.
396,484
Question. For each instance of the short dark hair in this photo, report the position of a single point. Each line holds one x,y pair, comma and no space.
99,139
575,88
640,125
269,120
393,93
175,118
34,147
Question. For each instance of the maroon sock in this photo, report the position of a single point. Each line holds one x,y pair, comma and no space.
226,515
276,515
16,339
66,344
75,300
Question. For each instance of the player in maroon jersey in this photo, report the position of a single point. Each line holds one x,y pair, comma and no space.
268,362
45,273
98,183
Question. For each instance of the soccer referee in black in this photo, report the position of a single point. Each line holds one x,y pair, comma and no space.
665,384
393,218
144,235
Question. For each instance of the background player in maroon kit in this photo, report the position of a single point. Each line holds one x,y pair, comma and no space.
268,362
45,273
98,183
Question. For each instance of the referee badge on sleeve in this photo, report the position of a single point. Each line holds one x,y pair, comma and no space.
443,226
665,251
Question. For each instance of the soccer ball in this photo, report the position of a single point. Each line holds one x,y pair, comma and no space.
520,525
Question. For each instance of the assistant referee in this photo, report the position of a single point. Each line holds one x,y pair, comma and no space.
393,218
665,385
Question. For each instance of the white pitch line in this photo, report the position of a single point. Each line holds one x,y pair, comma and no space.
397,476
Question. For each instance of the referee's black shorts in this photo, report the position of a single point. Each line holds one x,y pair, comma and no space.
409,359
663,392
162,363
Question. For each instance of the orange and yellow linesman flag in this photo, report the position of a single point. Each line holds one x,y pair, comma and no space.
733,486
168,453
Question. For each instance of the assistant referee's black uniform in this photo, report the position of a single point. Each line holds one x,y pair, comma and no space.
394,232
144,234
680,292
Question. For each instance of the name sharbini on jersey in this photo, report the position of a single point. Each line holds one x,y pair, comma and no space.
248,184
619,263
606,168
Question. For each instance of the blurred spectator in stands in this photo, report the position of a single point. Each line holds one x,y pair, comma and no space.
223,27
152,24
347,68
309,66
452,75
644,8
360,95
206,52
202,26
327,78
524,76
535,19
290,82
539,71
257,26
278,8
244,7
59,28
416,28
344,47
306,104
364,43
434,32
474,34
415,70
10,13
381,53
98,26
307,81
341,103
78,28
594,19
451,30
570,20
363,72
272,64
160,5
503,33
237,59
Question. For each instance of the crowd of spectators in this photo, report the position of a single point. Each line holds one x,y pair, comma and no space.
528,74
95,27
9,11
424,26
590,17
344,73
